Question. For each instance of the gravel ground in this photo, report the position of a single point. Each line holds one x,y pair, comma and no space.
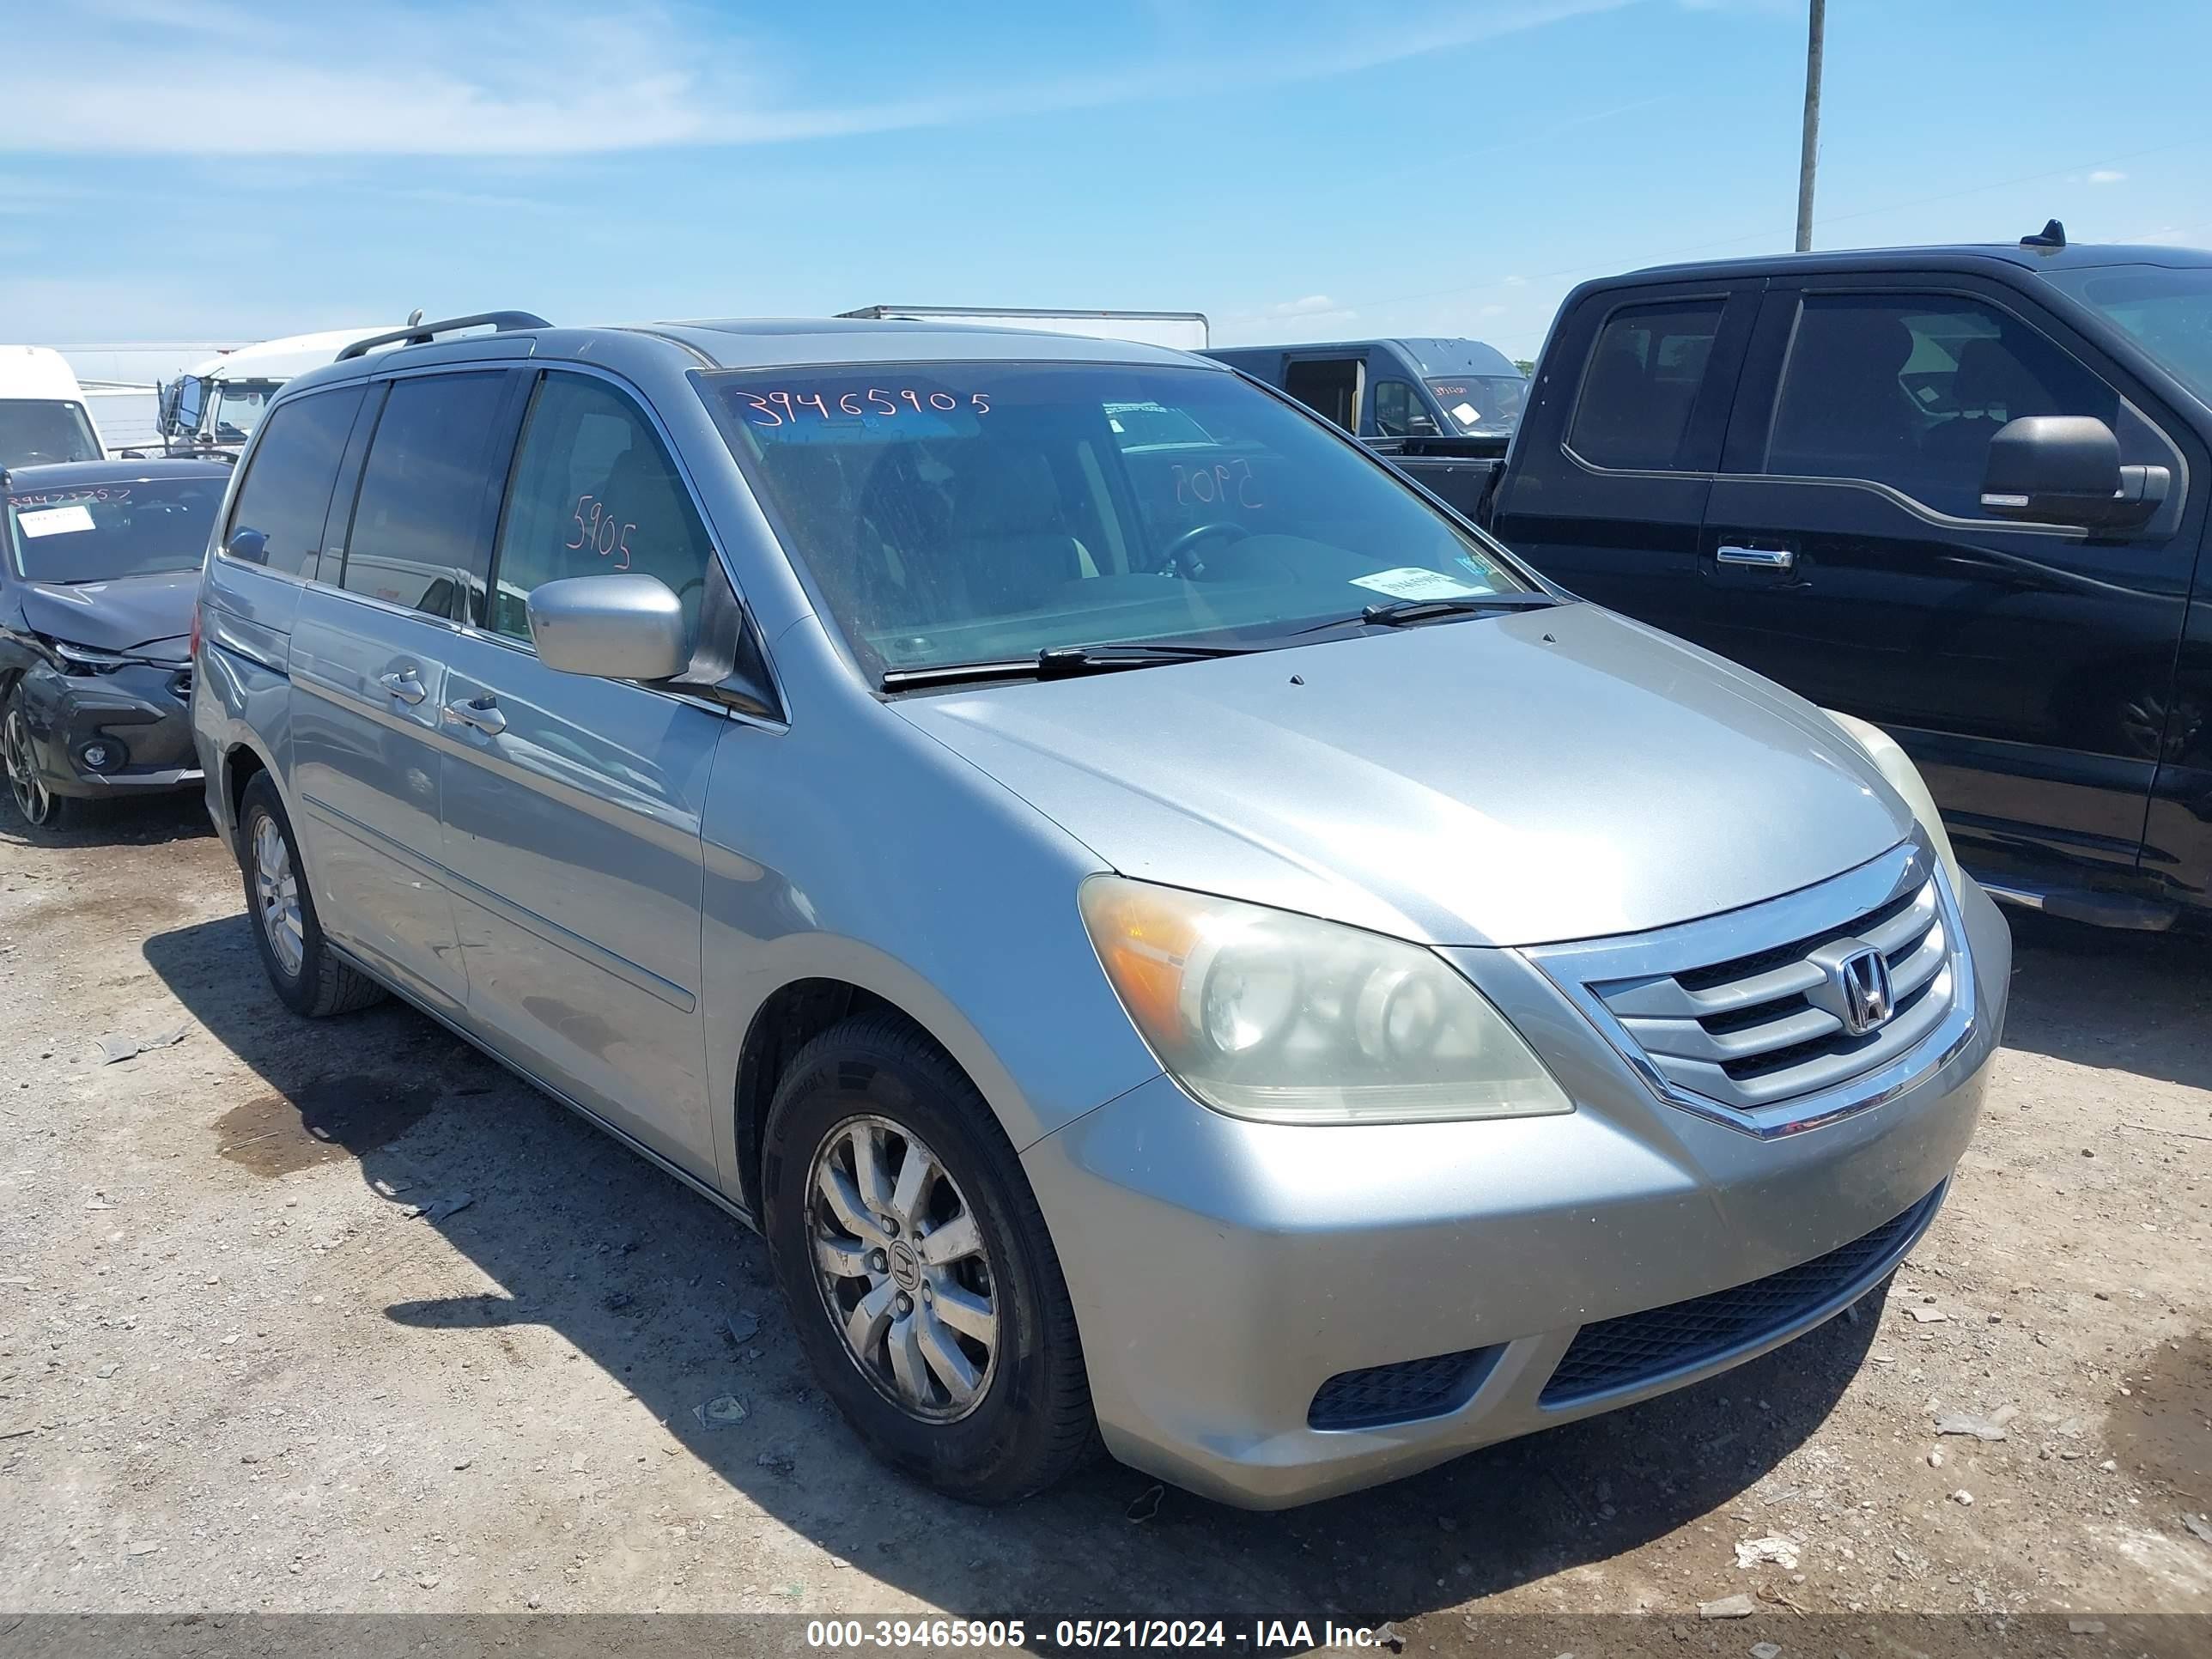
340,1317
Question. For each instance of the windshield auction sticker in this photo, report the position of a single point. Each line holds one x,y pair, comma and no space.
54,520
1413,581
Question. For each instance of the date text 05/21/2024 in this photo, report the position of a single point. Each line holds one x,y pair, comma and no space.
1261,1635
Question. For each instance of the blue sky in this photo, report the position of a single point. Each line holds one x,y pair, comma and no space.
1297,170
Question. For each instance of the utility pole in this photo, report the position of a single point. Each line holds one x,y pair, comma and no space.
1810,154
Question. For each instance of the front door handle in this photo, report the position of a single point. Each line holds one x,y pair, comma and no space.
402,684
1759,558
483,713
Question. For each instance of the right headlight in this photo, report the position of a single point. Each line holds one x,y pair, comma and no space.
1267,1014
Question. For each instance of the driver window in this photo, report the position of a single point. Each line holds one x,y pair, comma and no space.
594,493
1908,389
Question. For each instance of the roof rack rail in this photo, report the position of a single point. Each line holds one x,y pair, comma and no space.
423,333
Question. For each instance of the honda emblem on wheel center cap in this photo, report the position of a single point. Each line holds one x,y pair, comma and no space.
906,1266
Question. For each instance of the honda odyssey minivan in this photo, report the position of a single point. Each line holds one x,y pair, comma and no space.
1176,939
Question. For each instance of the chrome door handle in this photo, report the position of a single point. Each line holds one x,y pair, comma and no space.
482,713
1759,558
403,684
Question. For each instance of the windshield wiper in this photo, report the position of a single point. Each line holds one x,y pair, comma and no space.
1398,613
1061,662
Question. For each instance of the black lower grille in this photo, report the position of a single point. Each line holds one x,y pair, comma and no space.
1640,1347
1398,1393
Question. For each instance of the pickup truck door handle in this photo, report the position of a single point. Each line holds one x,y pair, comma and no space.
402,684
1760,558
483,713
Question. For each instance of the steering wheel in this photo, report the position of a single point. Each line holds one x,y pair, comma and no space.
1175,558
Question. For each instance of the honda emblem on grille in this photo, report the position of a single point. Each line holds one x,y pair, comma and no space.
1863,978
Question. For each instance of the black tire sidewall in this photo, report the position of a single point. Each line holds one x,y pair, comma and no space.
260,800
1002,1450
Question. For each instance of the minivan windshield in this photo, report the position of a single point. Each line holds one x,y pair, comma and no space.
2168,309
1481,405
98,532
965,512
36,430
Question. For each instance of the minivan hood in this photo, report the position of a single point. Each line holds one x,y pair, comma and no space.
148,614
1518,780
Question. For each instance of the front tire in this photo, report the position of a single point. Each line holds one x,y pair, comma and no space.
924,1284
35,803
304,971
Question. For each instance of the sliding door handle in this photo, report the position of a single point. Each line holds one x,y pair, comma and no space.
402,684
482,713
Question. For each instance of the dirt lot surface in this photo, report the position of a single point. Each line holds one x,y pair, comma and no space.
339,1316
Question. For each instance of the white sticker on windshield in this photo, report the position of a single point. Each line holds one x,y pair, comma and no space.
54,520
1411,581
1467,413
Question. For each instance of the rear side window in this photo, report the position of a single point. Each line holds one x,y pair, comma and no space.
1908,389
286,493
594,494
421,525
1643,381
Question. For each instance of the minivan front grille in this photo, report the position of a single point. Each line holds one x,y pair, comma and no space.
1747,1010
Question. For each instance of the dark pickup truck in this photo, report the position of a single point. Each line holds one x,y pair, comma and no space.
1960,492
1441,410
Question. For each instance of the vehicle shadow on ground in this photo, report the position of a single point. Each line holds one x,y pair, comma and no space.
643,1277
2140,1002
142,821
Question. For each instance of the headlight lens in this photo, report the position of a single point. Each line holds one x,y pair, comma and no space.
1898,771
87,659
1265,1014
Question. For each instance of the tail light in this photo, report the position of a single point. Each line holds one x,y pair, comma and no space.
194,650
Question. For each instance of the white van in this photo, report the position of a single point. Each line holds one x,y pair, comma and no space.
217,403
43,416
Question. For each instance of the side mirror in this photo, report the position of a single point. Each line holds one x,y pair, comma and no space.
1422,426
614,626
2065,469
250,545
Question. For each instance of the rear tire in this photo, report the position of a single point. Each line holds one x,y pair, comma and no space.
967,1372
304,971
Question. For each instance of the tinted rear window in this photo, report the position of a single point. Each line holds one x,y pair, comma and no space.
286,493
1643,381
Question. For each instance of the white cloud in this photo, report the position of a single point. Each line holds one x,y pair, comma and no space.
2106,176
507,77
1514,282
1310,306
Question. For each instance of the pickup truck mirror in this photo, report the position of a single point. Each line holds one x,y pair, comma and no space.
614,626
2065,469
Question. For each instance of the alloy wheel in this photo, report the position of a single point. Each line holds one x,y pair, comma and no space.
32,797
901,1268
276,897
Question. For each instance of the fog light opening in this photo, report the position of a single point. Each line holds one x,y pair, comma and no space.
100,754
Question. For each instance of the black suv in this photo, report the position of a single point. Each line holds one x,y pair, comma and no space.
1960,492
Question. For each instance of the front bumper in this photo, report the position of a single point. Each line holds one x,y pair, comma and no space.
141,713
1223,1271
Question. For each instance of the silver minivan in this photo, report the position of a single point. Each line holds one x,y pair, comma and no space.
1174,939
